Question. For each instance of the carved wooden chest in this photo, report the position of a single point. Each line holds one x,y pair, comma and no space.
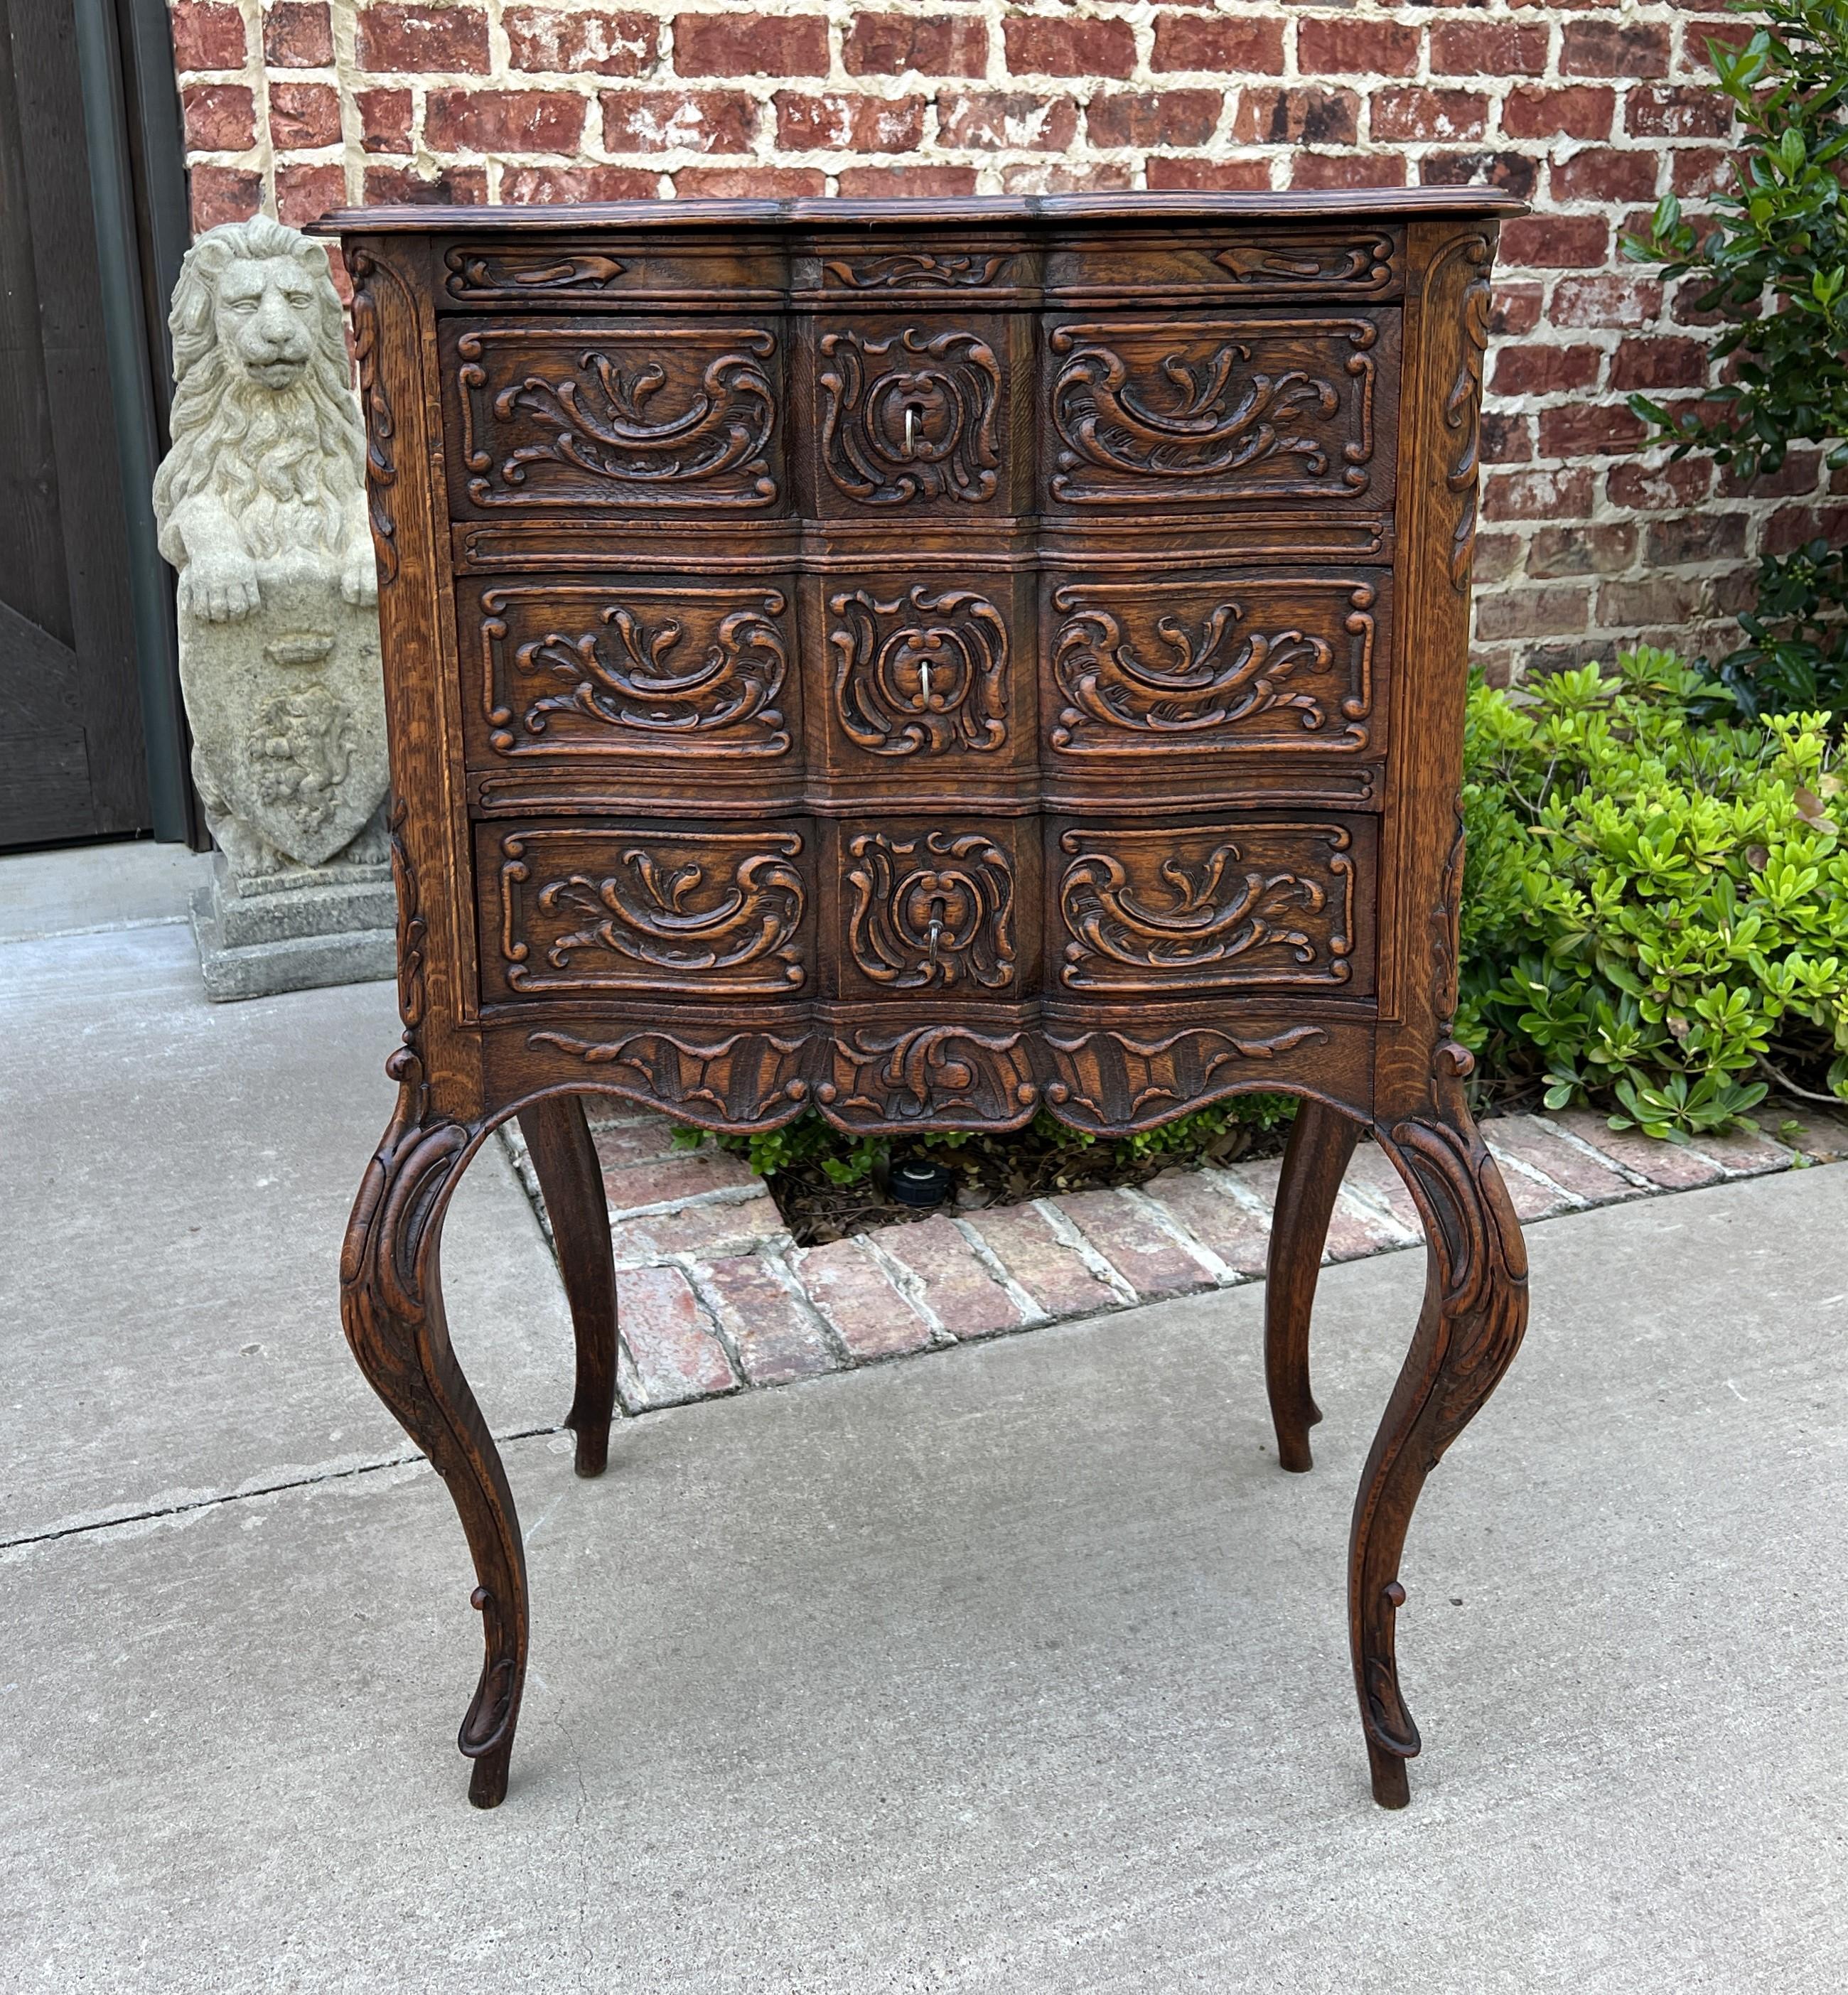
928,664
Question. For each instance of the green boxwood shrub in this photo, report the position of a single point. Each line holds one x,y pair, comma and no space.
1655,911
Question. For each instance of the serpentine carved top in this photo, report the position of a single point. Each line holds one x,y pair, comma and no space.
1262,407
913,415
661,417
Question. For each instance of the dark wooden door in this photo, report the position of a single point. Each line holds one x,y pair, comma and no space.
73,762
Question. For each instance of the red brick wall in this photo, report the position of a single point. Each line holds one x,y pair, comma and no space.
1592,111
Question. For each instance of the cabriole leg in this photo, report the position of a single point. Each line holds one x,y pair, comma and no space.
1475,1314
557,1139
1321,1140
391,1303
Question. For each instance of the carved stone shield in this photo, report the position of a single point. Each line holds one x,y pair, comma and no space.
287,709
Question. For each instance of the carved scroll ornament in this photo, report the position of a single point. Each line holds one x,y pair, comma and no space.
931,912
912,415
924,672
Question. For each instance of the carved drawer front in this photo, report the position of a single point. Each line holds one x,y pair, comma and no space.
910,271
695,670
633,418
1205,411
937,908
1156,668
1244,903
912,415
926,678
695,911
1360,262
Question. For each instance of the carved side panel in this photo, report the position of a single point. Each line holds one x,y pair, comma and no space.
678,670
912,415
689,911
1459,281
920,672
637,418
1142,668
1207,907
932,911
1199,410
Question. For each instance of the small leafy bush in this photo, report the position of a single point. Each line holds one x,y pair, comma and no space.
1775,269
1654,911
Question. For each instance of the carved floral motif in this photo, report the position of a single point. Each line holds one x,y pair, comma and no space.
694,912
1470,256
931,912
1224,421
645,428
912,415
630,674
1146,911
381,429
924,672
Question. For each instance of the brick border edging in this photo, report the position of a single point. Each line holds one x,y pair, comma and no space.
714,1298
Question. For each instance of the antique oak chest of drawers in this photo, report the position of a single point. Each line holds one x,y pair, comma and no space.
928,664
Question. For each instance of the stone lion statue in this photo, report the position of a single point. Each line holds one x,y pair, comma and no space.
261,503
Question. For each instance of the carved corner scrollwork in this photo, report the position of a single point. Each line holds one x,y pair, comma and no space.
947,1075
381,427
1143,916
746,1079
923,672
1112,1079
912,415
1462,268
931,912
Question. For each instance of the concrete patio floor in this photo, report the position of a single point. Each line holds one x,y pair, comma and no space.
1017,1666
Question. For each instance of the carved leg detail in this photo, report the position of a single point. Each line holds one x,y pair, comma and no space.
391,1303
1475,1314
1321,1140
571,1180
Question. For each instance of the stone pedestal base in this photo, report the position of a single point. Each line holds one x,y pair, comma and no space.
294,931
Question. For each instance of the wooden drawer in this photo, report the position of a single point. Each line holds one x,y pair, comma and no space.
1361,262
1205,409
664,670
1141,669
601,272
1235,904
637,417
